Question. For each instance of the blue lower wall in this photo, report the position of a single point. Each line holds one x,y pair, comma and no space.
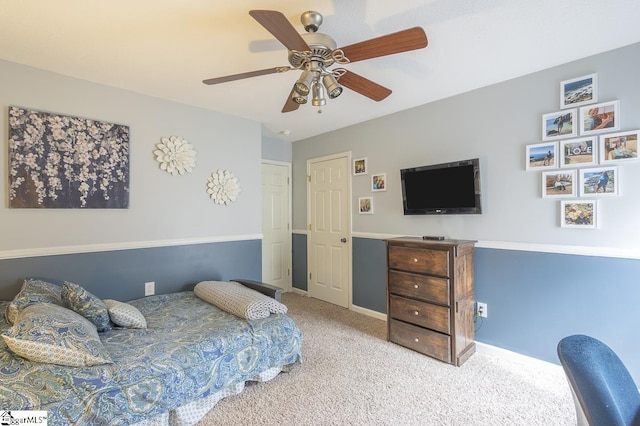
534,299
299,260
121,274
369,279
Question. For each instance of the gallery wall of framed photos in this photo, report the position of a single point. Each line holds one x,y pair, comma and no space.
584,147
378,183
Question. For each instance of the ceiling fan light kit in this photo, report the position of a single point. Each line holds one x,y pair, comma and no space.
318,94
303,85
314,53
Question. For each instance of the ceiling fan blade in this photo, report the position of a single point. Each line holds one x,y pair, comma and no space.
280,27
364,86
402,41
290,105
249,74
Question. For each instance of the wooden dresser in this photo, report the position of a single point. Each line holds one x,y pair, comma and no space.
430,297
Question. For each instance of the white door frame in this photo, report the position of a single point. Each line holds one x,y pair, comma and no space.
289,220
310,161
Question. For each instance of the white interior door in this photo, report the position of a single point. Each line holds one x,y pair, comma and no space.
276,229
329,238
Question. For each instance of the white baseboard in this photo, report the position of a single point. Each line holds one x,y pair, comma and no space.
515,356
298,291
369,312
480,347
354,308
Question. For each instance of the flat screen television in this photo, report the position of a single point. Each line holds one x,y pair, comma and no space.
447,188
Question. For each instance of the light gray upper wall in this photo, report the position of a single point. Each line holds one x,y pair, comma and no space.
494,123
162,207
275,149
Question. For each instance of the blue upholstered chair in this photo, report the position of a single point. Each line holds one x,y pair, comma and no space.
603,390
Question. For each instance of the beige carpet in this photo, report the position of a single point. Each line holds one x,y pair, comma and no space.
351,375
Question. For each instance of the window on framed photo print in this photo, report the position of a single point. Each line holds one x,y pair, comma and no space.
619,147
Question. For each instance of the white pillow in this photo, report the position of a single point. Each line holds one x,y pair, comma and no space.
239,300
125,315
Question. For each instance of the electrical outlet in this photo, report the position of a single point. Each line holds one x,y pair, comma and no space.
481,309
150,288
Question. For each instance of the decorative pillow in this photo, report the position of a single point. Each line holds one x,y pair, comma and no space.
49,333
239,300
79,300
125,315
33,291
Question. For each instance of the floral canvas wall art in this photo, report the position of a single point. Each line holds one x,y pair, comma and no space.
58,161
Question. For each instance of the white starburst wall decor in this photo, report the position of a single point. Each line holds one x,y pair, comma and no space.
175,155
223,187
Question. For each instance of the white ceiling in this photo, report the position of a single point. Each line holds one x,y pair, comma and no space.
165,48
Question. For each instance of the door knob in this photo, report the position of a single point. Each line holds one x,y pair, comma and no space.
343,240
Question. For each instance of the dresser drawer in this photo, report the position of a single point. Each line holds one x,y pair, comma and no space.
419,339
425,261
420,313
430,289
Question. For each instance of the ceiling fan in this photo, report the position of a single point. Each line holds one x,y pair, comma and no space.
314,53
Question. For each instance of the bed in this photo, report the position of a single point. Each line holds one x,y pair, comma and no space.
191,354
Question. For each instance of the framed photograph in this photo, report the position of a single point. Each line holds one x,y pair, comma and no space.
619,147
579,152
560,124
579,214
542,156
365,205
599,118
379,182
579,91
559,184
599,182
360,166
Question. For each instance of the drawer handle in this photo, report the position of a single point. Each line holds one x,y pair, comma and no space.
416,340
416,313
415,260
416,286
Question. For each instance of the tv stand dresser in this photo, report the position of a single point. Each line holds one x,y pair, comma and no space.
430,297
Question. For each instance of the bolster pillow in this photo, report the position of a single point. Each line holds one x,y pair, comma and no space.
239,300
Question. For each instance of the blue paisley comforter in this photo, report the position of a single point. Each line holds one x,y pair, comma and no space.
191,349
